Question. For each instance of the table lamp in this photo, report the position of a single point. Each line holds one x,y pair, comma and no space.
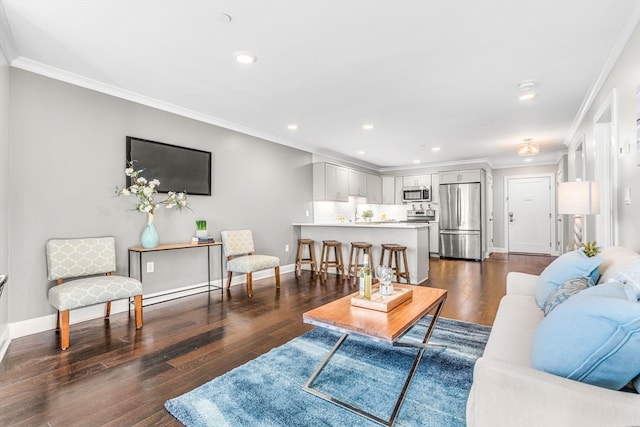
578,198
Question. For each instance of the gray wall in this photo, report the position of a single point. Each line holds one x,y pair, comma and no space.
67,154
624,78
4,190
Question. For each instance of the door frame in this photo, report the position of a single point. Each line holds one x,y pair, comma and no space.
552,203
605,132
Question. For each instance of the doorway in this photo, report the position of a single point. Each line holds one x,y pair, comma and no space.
605,133
530,213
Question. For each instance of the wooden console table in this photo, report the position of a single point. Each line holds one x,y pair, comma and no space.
175,246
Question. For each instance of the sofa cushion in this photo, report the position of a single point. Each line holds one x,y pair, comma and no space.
516,321
567,266
630,275
593,337
615,259
563,292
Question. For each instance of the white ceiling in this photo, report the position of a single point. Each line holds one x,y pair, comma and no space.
433,73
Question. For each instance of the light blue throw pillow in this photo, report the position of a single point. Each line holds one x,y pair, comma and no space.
567,266
593,337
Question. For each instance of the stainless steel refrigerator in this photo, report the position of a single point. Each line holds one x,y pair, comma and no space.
460,221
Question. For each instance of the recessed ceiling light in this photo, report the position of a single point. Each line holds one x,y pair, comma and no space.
367,126
527,90
435,149
361,152
224,18
528,159
244,57
292,126
416,161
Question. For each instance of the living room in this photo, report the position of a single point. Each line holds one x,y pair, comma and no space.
63,153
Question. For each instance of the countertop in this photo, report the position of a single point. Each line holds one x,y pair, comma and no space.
373,224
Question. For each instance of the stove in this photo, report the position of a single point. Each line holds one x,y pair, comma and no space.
421,214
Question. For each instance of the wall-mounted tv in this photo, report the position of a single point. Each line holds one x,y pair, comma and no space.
177,168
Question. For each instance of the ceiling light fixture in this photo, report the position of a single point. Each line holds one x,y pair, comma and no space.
361,152
435,149
292,126
527,90
416,161
244,57
528,148
367,126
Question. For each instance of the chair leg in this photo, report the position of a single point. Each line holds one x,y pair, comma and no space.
277,269
58,321
249,284
64,329
107,311
138,303
298,260
229,279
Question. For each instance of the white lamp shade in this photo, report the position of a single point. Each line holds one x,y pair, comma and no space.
579,198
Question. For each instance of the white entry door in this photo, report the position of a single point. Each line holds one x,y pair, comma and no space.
529,214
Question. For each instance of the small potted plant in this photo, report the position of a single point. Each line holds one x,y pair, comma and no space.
367,215
590,249
201,228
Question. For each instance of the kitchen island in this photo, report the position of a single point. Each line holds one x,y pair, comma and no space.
415,236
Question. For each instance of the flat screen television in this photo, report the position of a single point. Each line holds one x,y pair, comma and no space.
177,168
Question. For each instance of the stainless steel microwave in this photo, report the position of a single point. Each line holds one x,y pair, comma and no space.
416,194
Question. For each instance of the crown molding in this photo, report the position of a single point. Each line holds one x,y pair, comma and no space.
622,40
81,81
7,42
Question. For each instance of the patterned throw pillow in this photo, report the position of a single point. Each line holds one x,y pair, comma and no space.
563,292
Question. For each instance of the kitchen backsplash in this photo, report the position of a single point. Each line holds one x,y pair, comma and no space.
332,211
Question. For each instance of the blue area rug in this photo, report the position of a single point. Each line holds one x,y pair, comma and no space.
268,391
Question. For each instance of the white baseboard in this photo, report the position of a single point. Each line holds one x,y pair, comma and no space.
48,323
5,340
499,250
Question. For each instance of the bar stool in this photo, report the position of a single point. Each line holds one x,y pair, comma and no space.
311,260
326,263
354,257
394,255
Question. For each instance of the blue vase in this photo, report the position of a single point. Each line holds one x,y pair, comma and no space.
149,238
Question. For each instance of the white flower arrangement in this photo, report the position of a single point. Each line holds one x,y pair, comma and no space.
145,190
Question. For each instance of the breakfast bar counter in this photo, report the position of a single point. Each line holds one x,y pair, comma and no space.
415,236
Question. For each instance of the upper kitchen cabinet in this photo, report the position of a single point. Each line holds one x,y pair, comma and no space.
453,177
435,193
389,190
398,193
374,188
416,181
330,182
357,183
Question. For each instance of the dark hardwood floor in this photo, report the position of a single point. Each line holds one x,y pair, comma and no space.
114,376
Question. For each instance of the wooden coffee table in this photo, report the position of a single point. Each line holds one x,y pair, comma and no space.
388,327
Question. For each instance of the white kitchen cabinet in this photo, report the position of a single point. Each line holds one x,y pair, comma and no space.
435,193
416,181
453,177
399,183
374,188
357,183
388,190
434,238
330,182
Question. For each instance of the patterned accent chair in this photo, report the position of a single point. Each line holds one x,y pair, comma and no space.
240,252
90,261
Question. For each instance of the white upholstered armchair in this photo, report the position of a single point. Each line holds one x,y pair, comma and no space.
240,253
90,262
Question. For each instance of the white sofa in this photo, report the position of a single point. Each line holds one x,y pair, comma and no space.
507,391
